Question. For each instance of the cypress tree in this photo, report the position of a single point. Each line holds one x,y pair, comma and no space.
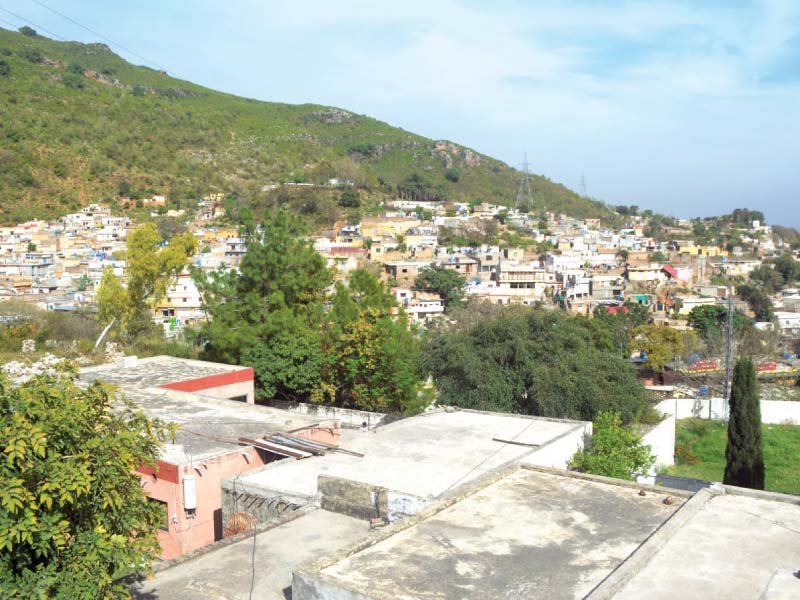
744,454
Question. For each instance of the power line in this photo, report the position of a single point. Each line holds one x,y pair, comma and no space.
100,35
10,24
38,27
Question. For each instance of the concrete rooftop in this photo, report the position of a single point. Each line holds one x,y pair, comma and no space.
422,455
155,371
730,547
528,534
207,426
225,573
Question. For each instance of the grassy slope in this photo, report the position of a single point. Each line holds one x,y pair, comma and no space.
707,440
60,146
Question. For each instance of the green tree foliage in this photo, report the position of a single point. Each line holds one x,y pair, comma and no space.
533,361
662,344
28,31
614,331
744,217
744,454
710,319
113,301
614,450
758,301
771,280
445,282
452,174
151,267
788,268
5,68
271,315
33,55
372,353
350,198
278,288
73,516
71,80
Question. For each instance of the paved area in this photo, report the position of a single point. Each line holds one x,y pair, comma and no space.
730,548
423,456
529,535
226,574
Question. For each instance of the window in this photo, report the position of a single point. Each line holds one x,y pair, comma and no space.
164,518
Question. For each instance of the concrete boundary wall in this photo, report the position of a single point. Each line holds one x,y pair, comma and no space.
366,501
773,412
558,452
348,417
661,440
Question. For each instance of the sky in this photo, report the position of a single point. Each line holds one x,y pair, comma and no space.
688,108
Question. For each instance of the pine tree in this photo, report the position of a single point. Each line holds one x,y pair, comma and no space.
744,454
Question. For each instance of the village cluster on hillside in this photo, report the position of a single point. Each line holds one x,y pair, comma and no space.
573,263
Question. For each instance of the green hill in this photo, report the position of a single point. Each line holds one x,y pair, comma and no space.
78,123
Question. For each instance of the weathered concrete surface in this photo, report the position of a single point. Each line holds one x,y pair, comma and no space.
730,549
422,456
225,574
783,585
531,534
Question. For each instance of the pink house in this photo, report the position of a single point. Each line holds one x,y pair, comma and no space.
212,405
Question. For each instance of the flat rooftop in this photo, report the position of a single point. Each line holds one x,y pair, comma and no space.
525,534
730,547
155,371
207,426
225,573
210,426
423,455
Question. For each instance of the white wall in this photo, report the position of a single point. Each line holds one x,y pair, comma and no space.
772,411
661,440
557,453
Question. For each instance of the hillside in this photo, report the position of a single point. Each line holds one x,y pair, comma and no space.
79,123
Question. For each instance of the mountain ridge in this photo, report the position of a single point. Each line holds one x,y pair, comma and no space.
78,123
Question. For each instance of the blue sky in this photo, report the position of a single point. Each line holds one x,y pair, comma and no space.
690,108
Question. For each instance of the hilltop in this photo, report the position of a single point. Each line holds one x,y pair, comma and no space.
78,123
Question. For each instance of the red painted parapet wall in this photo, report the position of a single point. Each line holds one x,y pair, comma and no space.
212,381
231,384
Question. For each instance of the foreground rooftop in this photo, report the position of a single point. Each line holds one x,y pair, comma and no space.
424,455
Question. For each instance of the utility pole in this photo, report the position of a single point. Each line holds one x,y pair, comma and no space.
583,185
728,357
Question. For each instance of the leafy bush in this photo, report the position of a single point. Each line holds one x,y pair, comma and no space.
350,199
28,31
73,81
33,55
5,68
452,175
75,68
614,451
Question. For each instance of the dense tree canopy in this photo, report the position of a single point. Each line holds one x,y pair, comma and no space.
352,348
445,282
662,344
758,301
711,319
533,361
73,516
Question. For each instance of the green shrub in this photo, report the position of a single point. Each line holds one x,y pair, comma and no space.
73,81
5,68
33,55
